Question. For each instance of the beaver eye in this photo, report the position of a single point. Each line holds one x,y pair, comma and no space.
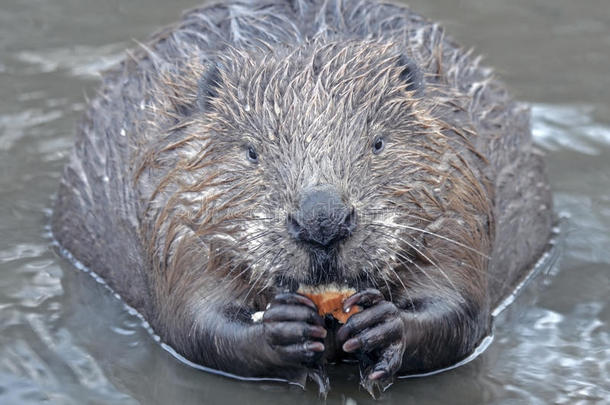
252,155
378,145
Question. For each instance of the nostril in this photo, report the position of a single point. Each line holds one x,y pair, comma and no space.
350,221
322,230
295,229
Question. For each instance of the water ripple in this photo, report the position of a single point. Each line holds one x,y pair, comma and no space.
78,60
567,127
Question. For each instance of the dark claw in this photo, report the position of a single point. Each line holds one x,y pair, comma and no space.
378,375
365,298
308,352
294,299
388,364
344,331
375,386
316,332
282,333
367,319
351,345
292,328
376,335
375,338
315,346
292,313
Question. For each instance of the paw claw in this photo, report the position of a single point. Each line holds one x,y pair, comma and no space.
292,329
351,345
315,347
365,298
294,299
316,332
378,375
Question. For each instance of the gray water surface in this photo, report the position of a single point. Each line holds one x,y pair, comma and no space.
65,339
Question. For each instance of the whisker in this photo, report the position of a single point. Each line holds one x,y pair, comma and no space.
262,273
427,258
385,280
243,301
462,263
247,267
402,214
399,226
406,262
483,272
380,272
242,241
242,219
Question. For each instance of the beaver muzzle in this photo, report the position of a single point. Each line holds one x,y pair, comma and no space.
323,219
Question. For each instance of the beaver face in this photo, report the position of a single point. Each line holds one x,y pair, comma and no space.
326,163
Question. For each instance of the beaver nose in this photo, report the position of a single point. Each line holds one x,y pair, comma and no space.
322,217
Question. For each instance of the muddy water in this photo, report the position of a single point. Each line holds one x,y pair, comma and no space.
66,339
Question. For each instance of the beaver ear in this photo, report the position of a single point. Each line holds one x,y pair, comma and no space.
411,74
208,85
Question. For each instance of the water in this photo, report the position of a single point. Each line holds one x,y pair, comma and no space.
65,339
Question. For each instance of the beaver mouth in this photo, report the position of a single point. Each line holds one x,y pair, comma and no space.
324,266
325,272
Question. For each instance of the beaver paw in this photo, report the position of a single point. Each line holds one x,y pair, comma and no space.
376,335
293,330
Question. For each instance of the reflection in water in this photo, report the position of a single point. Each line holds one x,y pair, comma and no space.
65,337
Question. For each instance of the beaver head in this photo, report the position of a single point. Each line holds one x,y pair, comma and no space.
317,163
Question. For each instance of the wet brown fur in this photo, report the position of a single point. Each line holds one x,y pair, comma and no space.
203,229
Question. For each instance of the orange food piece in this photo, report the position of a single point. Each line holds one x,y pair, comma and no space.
331,302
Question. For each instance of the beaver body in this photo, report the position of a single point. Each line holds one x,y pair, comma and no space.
256,147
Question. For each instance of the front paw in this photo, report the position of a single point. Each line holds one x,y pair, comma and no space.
293,331
376,335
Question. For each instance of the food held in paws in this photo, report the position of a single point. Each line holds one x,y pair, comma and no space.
329,300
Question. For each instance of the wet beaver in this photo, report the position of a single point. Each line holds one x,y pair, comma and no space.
259,147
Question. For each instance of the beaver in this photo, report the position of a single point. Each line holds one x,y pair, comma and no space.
258,147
